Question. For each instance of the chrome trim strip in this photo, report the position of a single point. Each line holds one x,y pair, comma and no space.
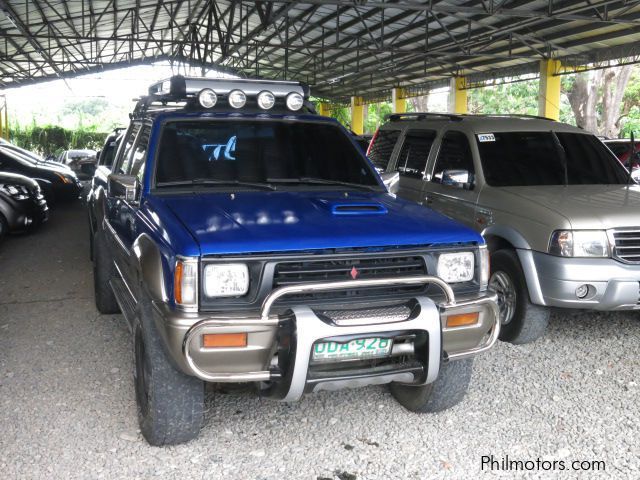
114,234
376,282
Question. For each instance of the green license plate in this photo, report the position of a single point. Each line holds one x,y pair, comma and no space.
362,348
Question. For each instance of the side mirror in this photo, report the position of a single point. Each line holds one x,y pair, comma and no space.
458,178
391,180
125,187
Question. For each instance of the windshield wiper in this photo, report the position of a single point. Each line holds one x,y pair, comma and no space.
563,156
216,183
322,181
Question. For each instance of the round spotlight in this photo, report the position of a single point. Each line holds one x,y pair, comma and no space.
237,98
207,98
582,291
294,101
266,100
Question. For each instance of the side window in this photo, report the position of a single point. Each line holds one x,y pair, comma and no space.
124,162
140,153
454,165
415,150
382,148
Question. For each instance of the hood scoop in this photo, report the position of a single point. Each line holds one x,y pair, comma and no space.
358,208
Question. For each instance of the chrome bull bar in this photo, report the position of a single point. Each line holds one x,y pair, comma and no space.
267,320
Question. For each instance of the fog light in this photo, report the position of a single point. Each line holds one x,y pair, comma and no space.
582,291
462,320
266,100
221,340
237,98
294,101
207,98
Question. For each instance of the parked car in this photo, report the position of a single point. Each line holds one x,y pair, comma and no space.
558,211
621,148
82,162
56,183
246,240
31,155
99,180
22,205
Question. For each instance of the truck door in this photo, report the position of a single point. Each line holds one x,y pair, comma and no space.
451,187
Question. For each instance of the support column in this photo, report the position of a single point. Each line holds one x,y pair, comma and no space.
458,95
398,100
549,89
323,109
357,115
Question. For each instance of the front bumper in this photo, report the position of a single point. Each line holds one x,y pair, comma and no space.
279,347
612,285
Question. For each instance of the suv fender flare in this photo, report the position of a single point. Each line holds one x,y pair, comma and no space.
149,267
525,255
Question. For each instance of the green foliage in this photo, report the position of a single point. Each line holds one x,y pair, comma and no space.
52,139
375,116
519,97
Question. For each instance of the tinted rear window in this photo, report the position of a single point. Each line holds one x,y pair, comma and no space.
532,158
382,148
259,151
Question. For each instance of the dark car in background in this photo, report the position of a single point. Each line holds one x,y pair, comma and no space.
22,205
82,162
56,182
31,155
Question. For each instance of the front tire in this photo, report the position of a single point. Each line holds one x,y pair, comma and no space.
447,391
170,403
521,321
103,271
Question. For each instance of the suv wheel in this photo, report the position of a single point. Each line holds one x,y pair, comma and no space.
447,391
170,403
521,321
4,227
103,271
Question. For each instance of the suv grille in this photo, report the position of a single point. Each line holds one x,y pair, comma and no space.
627,245
328,270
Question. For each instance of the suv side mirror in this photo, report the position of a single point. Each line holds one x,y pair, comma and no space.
125,187
391,180
458,178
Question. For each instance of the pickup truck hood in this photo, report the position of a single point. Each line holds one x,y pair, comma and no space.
587,206
224,223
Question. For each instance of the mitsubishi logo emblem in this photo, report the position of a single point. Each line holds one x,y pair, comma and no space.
354,273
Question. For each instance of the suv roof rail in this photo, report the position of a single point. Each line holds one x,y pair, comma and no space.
512,115
396,117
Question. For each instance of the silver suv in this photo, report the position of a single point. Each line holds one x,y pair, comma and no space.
560,214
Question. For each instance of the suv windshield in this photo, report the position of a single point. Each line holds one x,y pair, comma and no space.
244,152
534,158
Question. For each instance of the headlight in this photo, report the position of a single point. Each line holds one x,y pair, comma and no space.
579,243
19,192
237,98
456,267
185,283
266,100
207,98
295,101
226,280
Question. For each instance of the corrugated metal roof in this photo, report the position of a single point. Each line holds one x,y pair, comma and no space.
340,47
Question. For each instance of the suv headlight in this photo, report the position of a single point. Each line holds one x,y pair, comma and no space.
226,280
456,267
579,243
19,192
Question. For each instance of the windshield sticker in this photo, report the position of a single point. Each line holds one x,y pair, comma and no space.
486,137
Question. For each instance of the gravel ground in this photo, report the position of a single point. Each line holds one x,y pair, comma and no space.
67,406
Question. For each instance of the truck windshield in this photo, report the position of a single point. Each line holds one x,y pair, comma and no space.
533,158
272,152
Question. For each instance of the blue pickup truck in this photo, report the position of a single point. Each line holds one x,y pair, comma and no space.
247,239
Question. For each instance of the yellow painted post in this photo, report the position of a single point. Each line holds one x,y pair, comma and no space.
458,95
357,115
549,89
323,109
398,100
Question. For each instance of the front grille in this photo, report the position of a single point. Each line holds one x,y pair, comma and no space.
333,270
627,245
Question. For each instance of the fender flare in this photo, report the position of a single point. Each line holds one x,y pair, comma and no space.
149,268
525,255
